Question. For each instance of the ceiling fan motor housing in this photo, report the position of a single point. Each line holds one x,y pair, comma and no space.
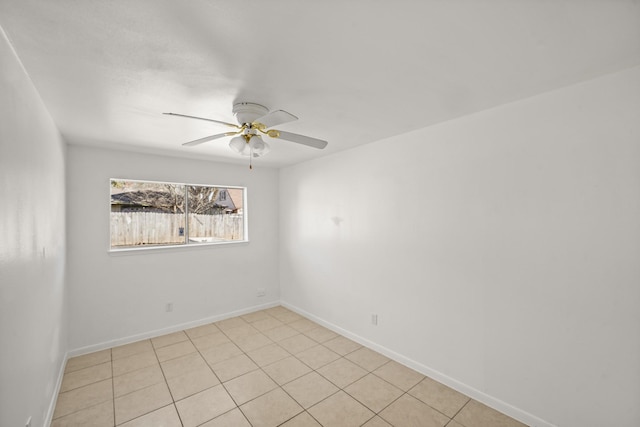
248,112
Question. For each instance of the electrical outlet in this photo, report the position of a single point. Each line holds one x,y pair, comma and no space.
374,319
261,292
169,307
28,423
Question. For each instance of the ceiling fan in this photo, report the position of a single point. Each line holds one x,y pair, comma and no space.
253,120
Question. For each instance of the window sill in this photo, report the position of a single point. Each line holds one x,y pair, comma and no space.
170,248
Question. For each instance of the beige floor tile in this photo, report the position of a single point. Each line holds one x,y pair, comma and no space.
234,367
475,414
182,365
277,309
341,410
399,375
240,331
211,340
200,331
367,358
233,322
249,386
310,389
163,417
131,349
136,380
175,350
342,372
191,383
131,363
271,409
267,323
302,420
233,418
141,402
86,360
439,396
268,354
204,406
220,352
165,340
342,345
280,333
100,415
83,397
252,342
318,356
287,317
320,334
373,392
453,423
377,422
408,411
297,343
85,376
286,370
255,316
303,325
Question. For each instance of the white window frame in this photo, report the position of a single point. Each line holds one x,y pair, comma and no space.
187,244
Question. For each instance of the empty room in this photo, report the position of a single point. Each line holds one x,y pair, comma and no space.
235,213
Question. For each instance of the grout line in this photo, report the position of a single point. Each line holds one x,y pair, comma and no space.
245,354
314,418
212,371
460,410
261,368
339,389
163,375
82,409
85,385
218,378
173,402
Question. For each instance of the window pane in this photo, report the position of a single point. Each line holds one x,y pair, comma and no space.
215,214
147,213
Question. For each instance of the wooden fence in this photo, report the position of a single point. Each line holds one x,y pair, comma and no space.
152,228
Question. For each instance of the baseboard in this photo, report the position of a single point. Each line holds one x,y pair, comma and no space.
56,390
492,402
174,328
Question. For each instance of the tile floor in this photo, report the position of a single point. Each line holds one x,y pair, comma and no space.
264,369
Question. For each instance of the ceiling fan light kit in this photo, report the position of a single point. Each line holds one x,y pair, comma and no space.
254,119
249,145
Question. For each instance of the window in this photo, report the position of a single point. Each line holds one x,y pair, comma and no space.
154,214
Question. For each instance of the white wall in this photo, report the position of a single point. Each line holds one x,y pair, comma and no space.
506,242
117,298
32,249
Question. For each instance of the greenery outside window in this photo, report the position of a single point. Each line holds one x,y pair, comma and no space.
156,214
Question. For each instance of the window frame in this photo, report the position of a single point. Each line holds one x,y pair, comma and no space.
194,245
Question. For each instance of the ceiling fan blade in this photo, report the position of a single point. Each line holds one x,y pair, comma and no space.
276,118
201,118
208,138
301,139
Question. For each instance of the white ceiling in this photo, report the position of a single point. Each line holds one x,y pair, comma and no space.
353,71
